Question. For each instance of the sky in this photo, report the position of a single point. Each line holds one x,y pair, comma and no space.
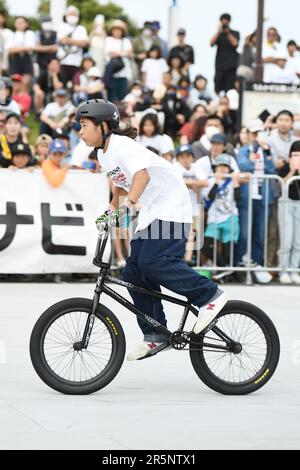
200,18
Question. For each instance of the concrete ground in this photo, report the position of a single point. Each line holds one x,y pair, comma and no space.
158,403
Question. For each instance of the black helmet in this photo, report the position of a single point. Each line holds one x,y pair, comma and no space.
100,110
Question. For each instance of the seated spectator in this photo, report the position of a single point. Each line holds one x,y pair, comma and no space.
214,125
56,114
73,132
289,225
54,169
177,70
153,68
242,139
184,85
194,128
20,47
7,103
95,85
161,90
41,147
81,79
80,153
48,81
21,157
64,136
12,135
218,146
176,111
2,119
199,92
222,213
138,98
195,179
229,117
150,135
21,96
257,160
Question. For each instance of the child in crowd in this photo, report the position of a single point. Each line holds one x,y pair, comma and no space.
22,157
195,179
289,226
153,68
41,147
53,168
221,204
12,135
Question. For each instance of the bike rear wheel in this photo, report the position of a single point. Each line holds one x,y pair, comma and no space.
59,364
254,359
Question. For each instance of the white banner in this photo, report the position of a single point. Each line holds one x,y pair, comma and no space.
50,230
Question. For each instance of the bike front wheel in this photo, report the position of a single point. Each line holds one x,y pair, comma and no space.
55,357
253,357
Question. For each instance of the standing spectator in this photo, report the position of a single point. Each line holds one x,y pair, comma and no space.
48,81
184,50
12,136
257,160
41,147
162,42
143,42
72,38
248,59
227,58
20,47
242,139
290,225
293,61
5,37
218,146
199,92
46,46
176,111
21,96
54,169
153,68
56,114
274,56
150,135
118,52
229,117
97,43
214,125
9,105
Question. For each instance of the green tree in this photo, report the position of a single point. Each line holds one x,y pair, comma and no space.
90,8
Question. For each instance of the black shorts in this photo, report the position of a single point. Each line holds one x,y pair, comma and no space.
21,63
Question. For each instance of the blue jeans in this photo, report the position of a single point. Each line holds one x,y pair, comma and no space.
258,232
156,261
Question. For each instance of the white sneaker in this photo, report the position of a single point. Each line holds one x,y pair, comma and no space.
295,278
263,277
208,312
143,350
285,278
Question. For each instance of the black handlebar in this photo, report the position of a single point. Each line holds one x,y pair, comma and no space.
101,244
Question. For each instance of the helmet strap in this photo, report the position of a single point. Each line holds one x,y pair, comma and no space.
104,138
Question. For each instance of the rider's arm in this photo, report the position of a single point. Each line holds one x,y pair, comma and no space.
138,184
117,193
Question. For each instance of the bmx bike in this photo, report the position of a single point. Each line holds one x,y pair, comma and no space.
77,346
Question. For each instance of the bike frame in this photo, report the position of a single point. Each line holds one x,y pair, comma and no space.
101,287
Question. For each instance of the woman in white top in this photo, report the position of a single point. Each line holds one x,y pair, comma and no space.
150,135
153,68
5,36
97,43
117,47
20,47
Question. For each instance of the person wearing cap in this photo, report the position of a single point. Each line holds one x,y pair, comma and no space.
214,125
12,136
56,114
118,52
21,96
221,202
54,168
46,83
195,180
7,103
41,147
163,44
22,157
255,158
184,50
227,57
143,42
72,38
46,43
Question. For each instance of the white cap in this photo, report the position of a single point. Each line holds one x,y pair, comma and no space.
256,125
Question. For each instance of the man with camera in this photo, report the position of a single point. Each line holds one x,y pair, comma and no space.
227,57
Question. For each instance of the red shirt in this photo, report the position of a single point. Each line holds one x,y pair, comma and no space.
24,102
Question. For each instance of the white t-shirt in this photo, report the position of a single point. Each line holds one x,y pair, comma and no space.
53,110
224,204
119,45
293,66
75,57
6,38
204,164
12,107
194,173
80,154
165,197
277,51
163,143
154,70
21,39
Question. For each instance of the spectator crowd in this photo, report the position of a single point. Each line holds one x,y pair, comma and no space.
180,117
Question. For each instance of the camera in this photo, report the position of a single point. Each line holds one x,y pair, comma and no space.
225,28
